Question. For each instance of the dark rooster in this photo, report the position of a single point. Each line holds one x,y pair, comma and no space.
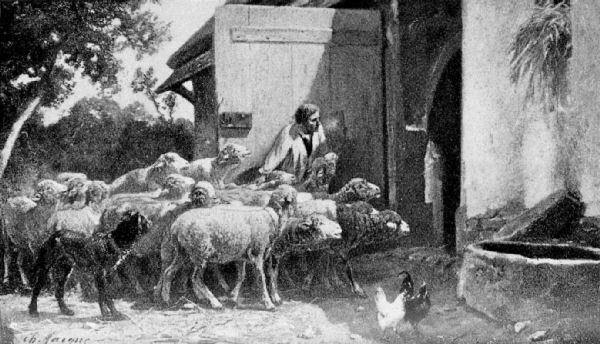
417,305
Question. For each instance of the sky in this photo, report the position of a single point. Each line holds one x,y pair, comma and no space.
186,17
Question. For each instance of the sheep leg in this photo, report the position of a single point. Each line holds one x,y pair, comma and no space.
100,285
20,265
61,273
168,276
41,274
335,277
324,271
7,262
201,289
241,275
259,264
273,265
355,286
221,279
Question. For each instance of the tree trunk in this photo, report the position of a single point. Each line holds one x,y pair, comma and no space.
14,133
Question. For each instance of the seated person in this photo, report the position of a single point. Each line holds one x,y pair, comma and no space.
297,144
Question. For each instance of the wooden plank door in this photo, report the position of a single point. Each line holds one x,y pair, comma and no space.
269,60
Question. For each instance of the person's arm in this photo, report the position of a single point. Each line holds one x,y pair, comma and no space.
278,151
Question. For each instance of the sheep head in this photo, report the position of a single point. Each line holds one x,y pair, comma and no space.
48,192
276,178
96,192
176,186
232,154
284,200
133,225
76,191
165,165
358,189
394,222
317,226
202,194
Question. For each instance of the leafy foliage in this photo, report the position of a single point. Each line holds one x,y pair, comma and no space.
45,40
540,53
145,82
99,139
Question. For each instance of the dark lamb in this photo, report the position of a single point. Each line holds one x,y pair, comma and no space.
98,255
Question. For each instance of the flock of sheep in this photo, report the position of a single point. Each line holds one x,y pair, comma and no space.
181,216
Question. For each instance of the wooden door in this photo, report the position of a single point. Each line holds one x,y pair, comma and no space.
269,60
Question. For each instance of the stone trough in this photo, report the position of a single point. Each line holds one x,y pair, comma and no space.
525,274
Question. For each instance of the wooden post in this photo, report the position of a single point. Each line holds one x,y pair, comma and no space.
393,110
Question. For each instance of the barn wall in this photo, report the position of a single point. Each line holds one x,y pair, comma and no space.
271,80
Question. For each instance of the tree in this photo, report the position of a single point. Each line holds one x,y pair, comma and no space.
44,41
144,81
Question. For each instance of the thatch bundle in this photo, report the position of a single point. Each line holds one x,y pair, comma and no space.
540,53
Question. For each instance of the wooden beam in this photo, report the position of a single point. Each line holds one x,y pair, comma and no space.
304,35
188,70
394,110
185,93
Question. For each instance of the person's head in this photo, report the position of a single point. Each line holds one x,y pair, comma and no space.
308,116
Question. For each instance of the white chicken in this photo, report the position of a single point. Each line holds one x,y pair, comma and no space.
389,314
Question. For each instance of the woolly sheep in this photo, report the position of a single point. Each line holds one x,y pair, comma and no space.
216,169
64,177
321,173
298,236
225,234
25,222
160,211
359,227
149,178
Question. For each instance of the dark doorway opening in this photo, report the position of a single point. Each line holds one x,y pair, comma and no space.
444,132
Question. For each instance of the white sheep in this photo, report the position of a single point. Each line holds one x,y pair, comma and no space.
25,222
64,177
217,169
149,178
221,235
357,189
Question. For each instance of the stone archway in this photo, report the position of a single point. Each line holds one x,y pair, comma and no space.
443,155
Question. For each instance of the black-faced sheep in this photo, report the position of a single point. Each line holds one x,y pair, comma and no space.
149,178
25,222
225,234
217,169
98,256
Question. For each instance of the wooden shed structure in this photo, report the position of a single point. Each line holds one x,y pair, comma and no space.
386,75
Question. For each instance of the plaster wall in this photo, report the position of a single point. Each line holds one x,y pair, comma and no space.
508,152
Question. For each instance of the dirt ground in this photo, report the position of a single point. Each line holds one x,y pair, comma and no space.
316,318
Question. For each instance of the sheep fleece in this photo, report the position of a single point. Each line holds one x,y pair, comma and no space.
222,235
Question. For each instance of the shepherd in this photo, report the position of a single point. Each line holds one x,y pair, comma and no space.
297,144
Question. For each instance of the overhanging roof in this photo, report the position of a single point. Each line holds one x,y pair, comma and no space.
185,72
196,53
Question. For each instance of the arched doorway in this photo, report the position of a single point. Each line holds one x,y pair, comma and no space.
443,156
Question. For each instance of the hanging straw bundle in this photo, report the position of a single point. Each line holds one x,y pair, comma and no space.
540,53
